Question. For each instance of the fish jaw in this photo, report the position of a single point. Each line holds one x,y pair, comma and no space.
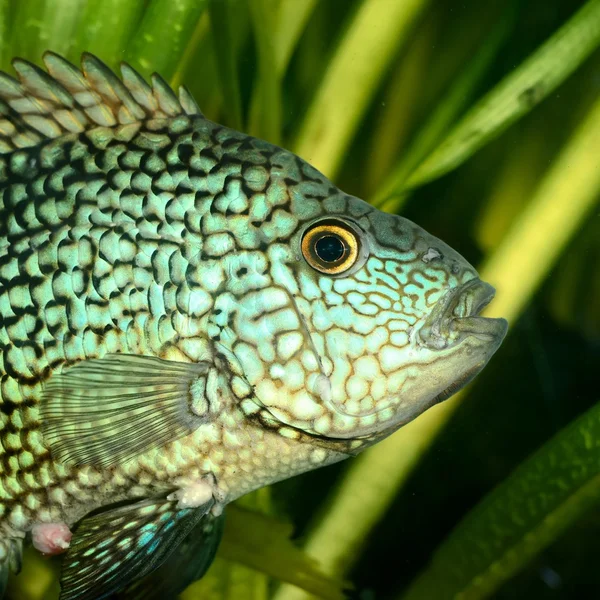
447,351
459,343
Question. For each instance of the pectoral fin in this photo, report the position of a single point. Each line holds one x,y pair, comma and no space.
112,550
106,411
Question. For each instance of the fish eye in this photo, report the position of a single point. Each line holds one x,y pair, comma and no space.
331,246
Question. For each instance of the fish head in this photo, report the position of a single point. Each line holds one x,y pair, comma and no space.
400,329
378,321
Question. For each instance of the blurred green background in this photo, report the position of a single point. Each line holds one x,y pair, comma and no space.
481,122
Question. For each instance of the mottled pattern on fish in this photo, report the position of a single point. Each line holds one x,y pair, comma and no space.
130,224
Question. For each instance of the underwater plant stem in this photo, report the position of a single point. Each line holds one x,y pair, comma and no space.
277,30
400,105
226,44
524,258
106,26
37,26
200,33
352,79
4,6
391,194
256,547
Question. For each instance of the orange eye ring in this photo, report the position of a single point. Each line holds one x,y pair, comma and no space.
331,246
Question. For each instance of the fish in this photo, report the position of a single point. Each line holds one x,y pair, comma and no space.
187,314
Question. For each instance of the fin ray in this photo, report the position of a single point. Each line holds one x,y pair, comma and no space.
188,103
64,99
106,411
166,98
186,564
113,549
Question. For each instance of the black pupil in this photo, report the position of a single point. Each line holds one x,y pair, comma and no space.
330,248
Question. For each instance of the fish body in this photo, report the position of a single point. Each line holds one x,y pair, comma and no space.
188,313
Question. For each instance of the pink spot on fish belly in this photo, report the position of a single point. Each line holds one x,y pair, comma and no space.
51,538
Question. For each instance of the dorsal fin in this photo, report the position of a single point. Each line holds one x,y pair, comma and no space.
41,105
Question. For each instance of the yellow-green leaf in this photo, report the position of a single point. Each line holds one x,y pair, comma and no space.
352,78
163,35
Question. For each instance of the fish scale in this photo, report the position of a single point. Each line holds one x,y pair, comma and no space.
170,334
93,236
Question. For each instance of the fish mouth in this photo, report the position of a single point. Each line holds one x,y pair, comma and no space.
455,326
456,317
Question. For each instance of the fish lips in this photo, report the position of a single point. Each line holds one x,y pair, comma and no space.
456,317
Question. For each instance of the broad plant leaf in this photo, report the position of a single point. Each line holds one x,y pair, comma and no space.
459,96
255,548
105,29
37,26
4,7
529,510
229,20
292,18
265,111
226,580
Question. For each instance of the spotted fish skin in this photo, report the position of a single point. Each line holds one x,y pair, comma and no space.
131,225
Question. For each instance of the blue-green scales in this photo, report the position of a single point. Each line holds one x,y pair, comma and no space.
188,313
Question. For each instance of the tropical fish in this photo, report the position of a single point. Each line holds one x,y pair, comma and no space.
188,313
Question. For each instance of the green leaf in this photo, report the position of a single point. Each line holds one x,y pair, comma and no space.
522,516
516,95
226,20
4,58
255,546
38,579
106,26
263,543
227,580
265,114
352,78
38,26
438,123
401,103
292,19
163,35
198,69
